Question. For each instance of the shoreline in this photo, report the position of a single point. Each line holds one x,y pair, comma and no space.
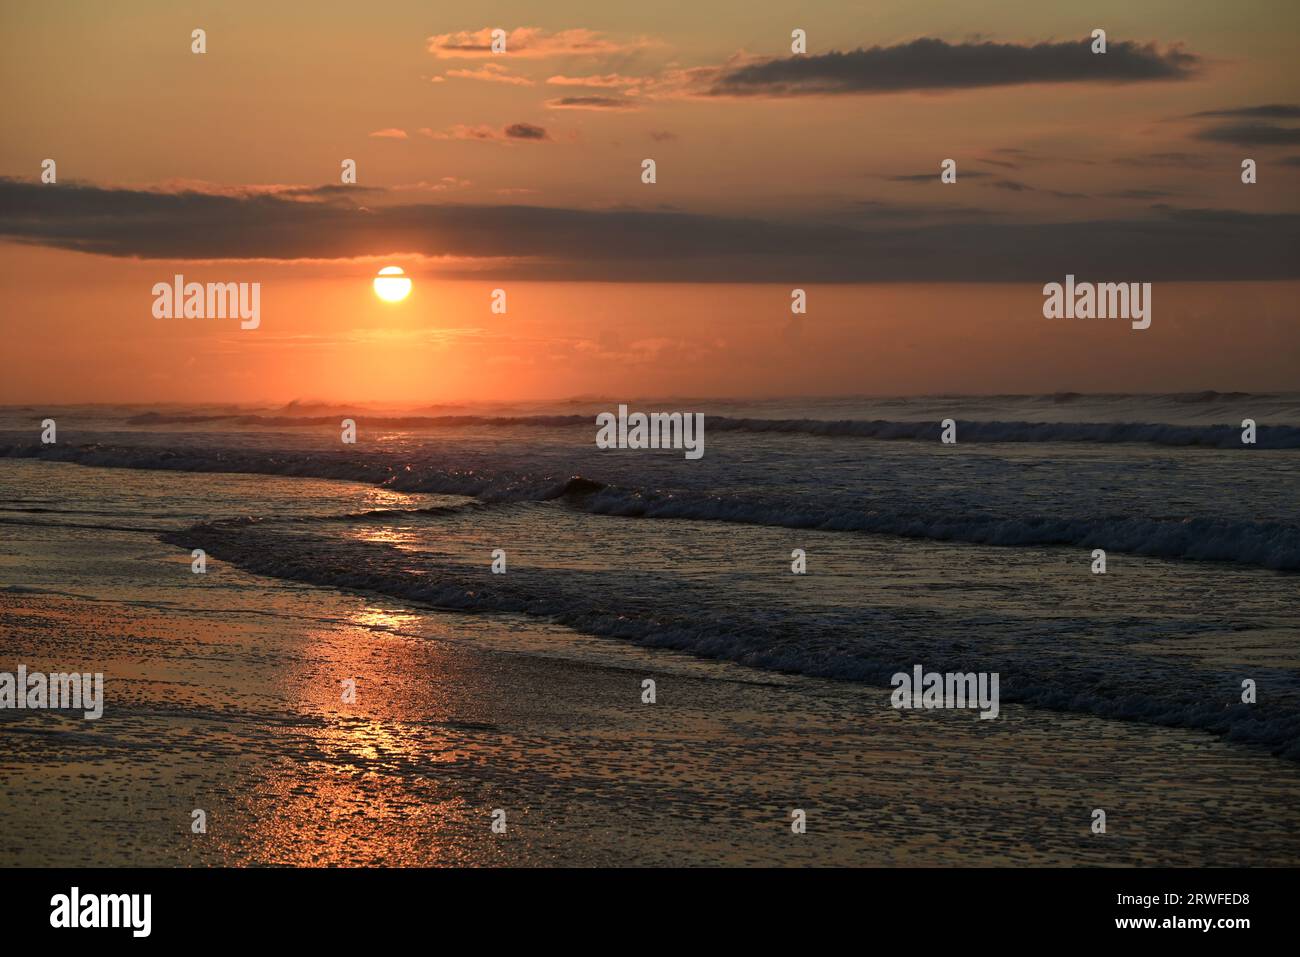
237,714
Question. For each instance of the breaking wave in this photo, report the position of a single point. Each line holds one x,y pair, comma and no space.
864,644
1224,436
1271,545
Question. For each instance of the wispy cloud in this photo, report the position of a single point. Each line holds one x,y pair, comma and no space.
1269,111
525,131
934,176
932,64
531,42
1176,159
442,185
491,73
1250,125
532,242
591,103
597,81
1138,193
1251,134
515,132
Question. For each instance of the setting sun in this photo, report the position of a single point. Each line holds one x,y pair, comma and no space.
392,285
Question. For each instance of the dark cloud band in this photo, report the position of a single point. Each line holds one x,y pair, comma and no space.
1251,134
930,64
640,245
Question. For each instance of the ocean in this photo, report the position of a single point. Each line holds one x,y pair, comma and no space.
976,556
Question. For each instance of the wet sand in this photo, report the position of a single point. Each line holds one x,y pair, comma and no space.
238,711
222,693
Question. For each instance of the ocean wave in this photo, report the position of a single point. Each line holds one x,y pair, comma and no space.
1154,433
375,468
409,422
861,644
1271,545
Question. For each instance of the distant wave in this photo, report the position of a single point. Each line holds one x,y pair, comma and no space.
376,422
1209,395
1272,545
1211,436
1206,436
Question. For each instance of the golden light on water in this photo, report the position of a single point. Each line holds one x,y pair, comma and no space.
392,285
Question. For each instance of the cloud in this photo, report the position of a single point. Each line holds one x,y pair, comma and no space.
515,132
1016,158
591,103
1251,125
532,42
934,177
491,73
603,81
442,185
391,133
1251,134
656,349
462,131
1140,194
883,210
1270,111
987,179
525,131
932,64
531,242
289,191
1169,159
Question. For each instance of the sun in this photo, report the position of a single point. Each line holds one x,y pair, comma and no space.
392,285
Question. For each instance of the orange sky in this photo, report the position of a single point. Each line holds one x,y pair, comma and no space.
821,174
